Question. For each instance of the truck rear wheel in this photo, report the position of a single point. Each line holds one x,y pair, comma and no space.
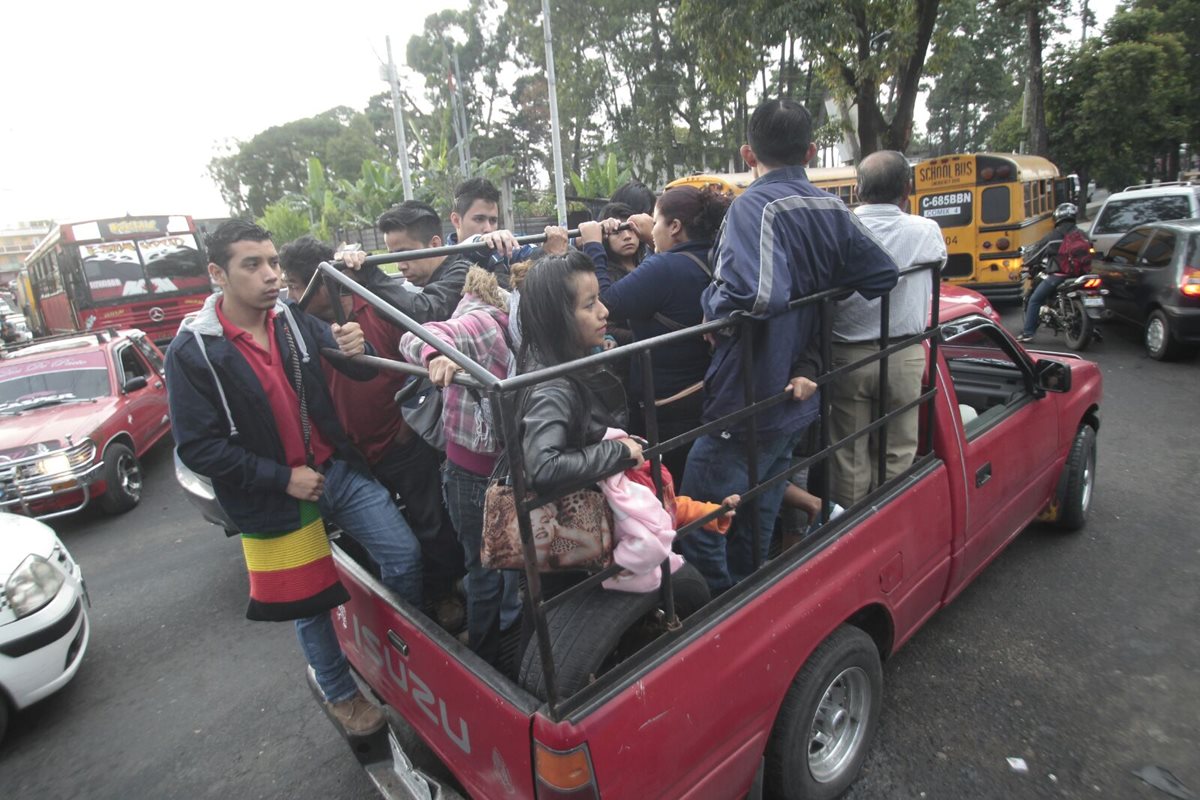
592,632
827,720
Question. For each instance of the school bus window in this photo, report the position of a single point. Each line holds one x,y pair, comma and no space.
994,205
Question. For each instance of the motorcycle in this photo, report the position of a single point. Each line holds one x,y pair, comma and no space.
1074,308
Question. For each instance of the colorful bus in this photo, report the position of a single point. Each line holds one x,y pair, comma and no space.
839,181
988,206
131,272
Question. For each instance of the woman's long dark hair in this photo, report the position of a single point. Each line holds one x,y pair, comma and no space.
549,333
700,210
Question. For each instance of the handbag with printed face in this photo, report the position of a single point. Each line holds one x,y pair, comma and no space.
572,533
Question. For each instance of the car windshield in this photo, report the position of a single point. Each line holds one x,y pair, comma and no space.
38,382
1121,215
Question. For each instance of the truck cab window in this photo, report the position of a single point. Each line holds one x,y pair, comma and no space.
989,380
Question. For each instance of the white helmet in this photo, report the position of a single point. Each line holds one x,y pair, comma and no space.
1065,211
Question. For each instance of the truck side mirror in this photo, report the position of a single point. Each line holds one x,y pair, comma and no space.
134,383
1053,376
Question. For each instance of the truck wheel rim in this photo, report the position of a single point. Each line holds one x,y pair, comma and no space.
131,476
840,725
1089,475
1155,334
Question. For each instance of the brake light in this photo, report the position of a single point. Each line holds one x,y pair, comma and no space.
1190,283
1091,283
1002,243
564,775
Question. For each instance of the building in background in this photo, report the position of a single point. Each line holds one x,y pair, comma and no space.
16,242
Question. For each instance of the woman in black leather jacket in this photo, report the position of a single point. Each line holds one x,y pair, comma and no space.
565,419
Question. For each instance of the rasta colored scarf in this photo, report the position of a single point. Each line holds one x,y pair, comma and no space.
291,573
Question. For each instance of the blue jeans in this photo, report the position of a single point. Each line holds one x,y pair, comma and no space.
717,468
364,510
487,589
1044,290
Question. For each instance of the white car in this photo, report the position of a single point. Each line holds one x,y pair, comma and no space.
43,614
1138,205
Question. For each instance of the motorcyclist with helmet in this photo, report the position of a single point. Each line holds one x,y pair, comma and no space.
1046,251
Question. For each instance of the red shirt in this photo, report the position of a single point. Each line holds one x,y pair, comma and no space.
367,409
271,372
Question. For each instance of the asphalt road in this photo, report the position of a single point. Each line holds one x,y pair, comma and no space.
1077,653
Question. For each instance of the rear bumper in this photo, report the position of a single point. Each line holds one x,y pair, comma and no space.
401,766
1004,292
1185,323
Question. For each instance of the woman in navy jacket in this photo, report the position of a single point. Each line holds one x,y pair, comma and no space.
662,295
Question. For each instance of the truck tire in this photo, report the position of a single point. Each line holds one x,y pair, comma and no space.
1078,480
827,720
588,631
123,474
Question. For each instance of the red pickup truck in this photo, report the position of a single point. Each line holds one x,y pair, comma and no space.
773,688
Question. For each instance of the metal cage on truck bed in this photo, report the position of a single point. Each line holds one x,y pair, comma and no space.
503,395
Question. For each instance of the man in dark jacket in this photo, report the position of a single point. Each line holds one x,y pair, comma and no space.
1046,253
238,419
437,280
782,239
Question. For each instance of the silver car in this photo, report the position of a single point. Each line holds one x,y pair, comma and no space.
1138,205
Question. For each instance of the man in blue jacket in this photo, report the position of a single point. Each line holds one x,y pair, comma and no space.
783,239
238,419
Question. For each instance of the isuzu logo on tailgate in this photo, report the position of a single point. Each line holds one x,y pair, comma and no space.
388,661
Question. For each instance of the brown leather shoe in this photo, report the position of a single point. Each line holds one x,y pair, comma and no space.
358,716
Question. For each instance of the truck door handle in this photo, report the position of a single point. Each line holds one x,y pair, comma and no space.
983,474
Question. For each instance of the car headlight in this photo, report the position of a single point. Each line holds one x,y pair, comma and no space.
55,465
32,585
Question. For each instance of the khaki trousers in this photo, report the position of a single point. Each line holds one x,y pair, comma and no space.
855,401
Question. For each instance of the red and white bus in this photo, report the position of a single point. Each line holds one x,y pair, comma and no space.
131,272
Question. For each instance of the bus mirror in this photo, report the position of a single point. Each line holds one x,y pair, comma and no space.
1053,376
134,383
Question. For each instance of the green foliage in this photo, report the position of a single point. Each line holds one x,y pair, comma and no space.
285,221
969,75
1116,104
601,178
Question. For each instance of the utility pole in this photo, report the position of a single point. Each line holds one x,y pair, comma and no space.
457,121
398,119
560,193
1083,18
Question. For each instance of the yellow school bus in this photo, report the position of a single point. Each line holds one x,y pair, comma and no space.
988,206
839,181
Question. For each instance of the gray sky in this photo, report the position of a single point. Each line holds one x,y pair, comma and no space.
117,107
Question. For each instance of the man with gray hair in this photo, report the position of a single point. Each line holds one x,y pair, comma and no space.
884,186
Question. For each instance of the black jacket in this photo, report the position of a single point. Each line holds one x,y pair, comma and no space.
435,302
563,432
222,422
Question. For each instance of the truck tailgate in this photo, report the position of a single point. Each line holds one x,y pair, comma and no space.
474,720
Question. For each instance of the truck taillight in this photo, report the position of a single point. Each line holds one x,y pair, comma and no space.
1189,284
564,775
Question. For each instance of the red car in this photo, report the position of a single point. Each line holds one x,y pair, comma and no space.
76,414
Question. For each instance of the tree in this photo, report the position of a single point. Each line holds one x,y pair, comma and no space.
1039,17
253,174
1131,76
970,83
285,221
